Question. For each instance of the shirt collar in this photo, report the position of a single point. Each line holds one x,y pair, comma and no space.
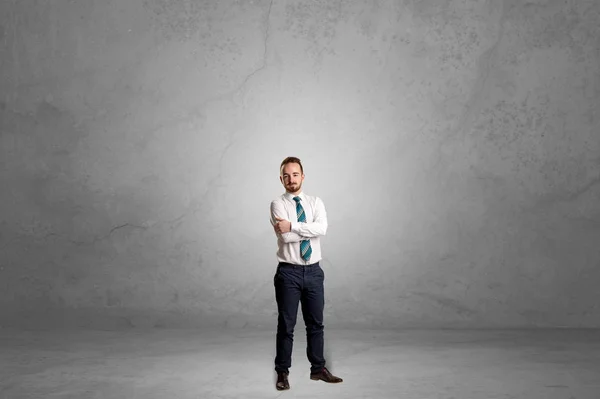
290,196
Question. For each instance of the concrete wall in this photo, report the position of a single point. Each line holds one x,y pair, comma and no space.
455,144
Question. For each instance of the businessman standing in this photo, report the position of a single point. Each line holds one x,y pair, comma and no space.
299,220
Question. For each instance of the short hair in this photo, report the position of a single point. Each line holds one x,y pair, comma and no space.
291,160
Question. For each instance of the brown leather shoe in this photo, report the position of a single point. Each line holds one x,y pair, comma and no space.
325,375
282,382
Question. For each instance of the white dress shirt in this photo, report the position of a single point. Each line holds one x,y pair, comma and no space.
284,207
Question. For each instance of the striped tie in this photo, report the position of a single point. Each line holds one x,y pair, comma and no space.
305,249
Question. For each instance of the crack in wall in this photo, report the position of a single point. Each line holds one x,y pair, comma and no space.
230,94
570,196
266,48
106,236
476,100
231,136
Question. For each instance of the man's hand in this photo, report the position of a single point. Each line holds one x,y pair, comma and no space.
282,226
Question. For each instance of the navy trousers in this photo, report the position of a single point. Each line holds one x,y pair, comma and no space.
299,284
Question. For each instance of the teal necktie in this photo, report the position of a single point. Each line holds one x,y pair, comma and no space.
305,249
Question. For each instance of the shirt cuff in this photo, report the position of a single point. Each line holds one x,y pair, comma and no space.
295,227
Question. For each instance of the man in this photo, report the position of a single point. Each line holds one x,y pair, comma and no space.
299,220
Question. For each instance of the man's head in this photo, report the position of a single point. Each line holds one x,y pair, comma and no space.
291,175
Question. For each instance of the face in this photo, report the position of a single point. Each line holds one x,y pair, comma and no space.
292,177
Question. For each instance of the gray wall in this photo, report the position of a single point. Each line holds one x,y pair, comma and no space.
455,144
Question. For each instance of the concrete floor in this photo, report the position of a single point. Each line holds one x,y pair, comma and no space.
447,364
